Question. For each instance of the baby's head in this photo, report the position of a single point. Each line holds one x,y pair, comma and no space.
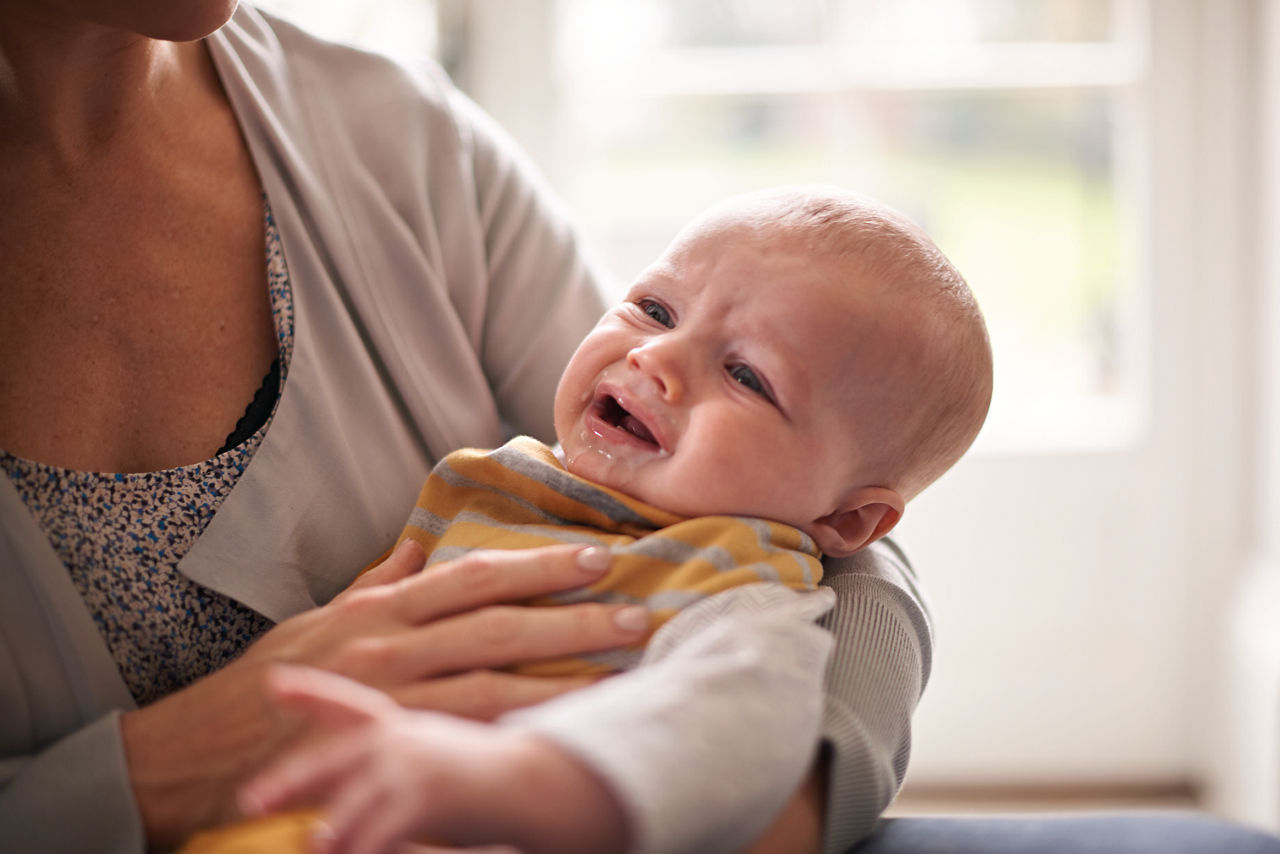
805,355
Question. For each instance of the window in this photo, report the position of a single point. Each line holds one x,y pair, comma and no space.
1005,127
1091,166
1008,128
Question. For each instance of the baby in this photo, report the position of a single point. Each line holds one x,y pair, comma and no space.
796,367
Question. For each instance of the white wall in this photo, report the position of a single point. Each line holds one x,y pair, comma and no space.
1244,760
1081,598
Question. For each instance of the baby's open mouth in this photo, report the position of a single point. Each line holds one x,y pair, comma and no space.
614,414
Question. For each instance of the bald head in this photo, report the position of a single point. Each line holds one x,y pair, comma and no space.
934,369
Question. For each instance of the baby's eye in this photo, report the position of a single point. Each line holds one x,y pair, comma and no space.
657,311
747,377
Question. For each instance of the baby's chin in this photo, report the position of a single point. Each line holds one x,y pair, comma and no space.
603,469
585,462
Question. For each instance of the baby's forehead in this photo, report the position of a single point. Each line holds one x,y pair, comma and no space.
836,335
747,222
740,240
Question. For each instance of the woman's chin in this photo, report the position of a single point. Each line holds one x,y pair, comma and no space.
187,21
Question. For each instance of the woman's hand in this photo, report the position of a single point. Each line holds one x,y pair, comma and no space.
431,640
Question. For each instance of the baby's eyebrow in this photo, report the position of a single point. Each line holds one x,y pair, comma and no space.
792,386
640,287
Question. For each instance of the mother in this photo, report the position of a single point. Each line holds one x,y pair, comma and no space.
188,205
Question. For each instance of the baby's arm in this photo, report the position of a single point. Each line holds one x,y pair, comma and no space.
620,766
706,740
385,774
877,669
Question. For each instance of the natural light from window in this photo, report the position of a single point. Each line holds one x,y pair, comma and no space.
1008,128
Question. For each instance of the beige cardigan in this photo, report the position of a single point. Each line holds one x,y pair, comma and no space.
437,295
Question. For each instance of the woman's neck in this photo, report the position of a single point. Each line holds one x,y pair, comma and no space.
73,90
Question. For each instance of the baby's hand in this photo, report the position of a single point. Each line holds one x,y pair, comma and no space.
385,775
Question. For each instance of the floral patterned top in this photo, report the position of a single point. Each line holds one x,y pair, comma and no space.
121,536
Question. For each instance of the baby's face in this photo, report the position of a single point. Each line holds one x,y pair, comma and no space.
722,384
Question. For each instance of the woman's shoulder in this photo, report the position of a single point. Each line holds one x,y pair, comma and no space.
282,59
347,120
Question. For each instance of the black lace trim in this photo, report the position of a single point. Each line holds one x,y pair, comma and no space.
258,410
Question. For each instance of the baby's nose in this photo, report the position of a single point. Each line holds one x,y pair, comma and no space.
657,364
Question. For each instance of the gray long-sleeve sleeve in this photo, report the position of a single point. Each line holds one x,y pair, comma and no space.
705,742
876,673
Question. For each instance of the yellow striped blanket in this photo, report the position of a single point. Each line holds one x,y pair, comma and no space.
520,496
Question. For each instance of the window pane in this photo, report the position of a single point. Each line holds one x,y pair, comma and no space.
977,20
1024,183
741,22
1020,189
680,23
1003,126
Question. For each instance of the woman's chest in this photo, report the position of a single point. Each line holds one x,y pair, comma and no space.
133,333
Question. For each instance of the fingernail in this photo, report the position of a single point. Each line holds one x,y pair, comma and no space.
633,618
408,544
595,560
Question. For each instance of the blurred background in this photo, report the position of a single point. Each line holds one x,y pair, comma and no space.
1103,566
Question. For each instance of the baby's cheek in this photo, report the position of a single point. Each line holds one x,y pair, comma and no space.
727,484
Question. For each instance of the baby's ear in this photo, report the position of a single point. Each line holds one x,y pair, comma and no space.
865,516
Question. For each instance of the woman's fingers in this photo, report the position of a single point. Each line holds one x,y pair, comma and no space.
484,695
443,621
402,635
500,636
405,560
487,577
